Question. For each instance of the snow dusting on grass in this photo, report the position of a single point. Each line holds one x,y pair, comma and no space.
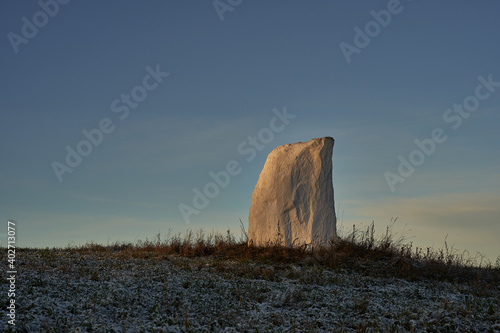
75,290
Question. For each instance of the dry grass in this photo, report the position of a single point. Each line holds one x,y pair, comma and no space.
359,250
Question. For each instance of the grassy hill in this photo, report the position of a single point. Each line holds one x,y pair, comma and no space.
210,283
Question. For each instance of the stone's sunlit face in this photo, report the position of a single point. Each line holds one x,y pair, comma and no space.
293,203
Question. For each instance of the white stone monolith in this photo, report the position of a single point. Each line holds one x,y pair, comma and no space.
293,203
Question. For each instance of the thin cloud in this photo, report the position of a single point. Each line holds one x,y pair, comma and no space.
470,220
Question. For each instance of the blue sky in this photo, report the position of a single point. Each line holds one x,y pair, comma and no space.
225,78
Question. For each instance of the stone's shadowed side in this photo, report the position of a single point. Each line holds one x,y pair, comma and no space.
293,201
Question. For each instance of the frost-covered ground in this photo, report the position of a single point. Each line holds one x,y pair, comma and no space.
68,291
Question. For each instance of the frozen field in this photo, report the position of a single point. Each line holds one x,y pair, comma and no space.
110,291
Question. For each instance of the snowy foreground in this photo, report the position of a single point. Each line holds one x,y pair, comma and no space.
63,291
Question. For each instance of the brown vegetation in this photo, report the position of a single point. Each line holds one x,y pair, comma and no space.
359,251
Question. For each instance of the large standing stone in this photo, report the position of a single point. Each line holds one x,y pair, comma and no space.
293,202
